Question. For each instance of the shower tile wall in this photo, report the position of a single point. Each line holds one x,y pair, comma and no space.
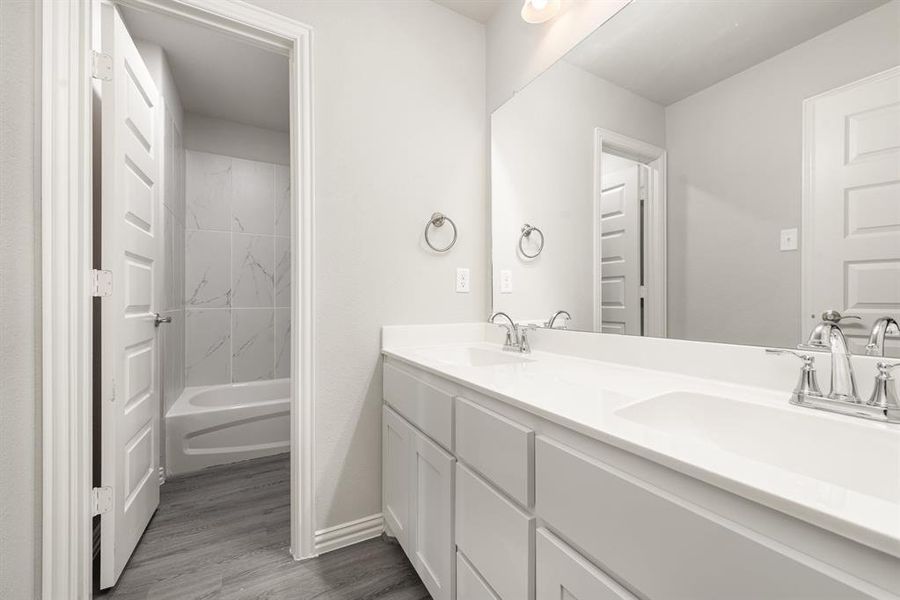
237,270
172,335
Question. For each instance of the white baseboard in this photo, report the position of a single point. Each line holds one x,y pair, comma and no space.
349,533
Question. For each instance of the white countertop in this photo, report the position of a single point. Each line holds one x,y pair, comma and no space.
586,395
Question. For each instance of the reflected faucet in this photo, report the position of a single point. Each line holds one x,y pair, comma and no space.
827,335
556,315
882,327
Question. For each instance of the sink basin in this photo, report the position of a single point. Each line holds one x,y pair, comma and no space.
474,357
861,458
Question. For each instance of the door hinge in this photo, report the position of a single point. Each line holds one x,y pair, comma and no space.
101,283
101,66
643,290
101,500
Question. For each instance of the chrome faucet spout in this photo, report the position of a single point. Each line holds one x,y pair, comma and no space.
560,313
827,335
880,329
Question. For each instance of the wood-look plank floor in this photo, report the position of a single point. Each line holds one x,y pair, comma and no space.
224,533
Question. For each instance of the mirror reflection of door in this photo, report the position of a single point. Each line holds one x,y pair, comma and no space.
852,206
620,246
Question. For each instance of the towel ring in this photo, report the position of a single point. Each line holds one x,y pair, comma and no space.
437,219
527,230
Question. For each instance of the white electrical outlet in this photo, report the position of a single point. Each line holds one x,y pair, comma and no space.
788,239
506,281
462,281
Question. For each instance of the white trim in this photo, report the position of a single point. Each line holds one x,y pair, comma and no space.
66,233
66,318
349,533
655,257
808,310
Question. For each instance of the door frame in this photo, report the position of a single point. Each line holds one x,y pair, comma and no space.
655,253
66,300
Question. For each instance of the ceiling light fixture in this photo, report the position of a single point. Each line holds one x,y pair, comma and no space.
539,11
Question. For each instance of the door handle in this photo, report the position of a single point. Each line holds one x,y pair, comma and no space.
157,319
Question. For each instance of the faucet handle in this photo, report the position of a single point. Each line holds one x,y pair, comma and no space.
808,359
833,316
884,395
807,385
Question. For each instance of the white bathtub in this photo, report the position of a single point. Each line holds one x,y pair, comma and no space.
220,424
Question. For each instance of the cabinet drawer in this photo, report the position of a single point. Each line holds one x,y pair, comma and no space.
662,546
469,584
425,406
495,535
563,573
498,448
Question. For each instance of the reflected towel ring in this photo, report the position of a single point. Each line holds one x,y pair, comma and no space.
437,219
526,233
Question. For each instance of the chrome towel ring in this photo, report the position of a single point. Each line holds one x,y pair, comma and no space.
527,230
437,220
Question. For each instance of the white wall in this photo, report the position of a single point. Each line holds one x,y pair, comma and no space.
734,175
542,165
517,51
20,369
400,132
208,134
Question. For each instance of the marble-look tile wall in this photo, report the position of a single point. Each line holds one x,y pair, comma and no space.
237,270
170,338
172,335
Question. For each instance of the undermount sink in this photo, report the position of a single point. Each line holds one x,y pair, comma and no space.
840,452
474,357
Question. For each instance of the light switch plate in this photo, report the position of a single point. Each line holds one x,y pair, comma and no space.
462,281
788,239
506,281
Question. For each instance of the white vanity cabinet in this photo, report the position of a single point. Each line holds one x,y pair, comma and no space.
492,502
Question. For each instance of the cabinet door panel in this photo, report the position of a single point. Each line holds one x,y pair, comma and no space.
562,573
431,526
469,584
495,535
396,449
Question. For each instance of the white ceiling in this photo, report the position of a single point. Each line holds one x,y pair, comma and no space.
216,75
667,51
479,10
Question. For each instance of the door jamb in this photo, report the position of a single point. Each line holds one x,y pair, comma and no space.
66,235
655,260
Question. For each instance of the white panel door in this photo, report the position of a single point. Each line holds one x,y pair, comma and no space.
431,522
852,153
131,233
620,252
396,449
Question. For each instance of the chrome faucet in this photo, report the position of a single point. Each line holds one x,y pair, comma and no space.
556,315
843,398
512,332
882,327
516,336
827,335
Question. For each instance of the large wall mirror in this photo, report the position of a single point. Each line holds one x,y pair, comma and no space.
715,171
